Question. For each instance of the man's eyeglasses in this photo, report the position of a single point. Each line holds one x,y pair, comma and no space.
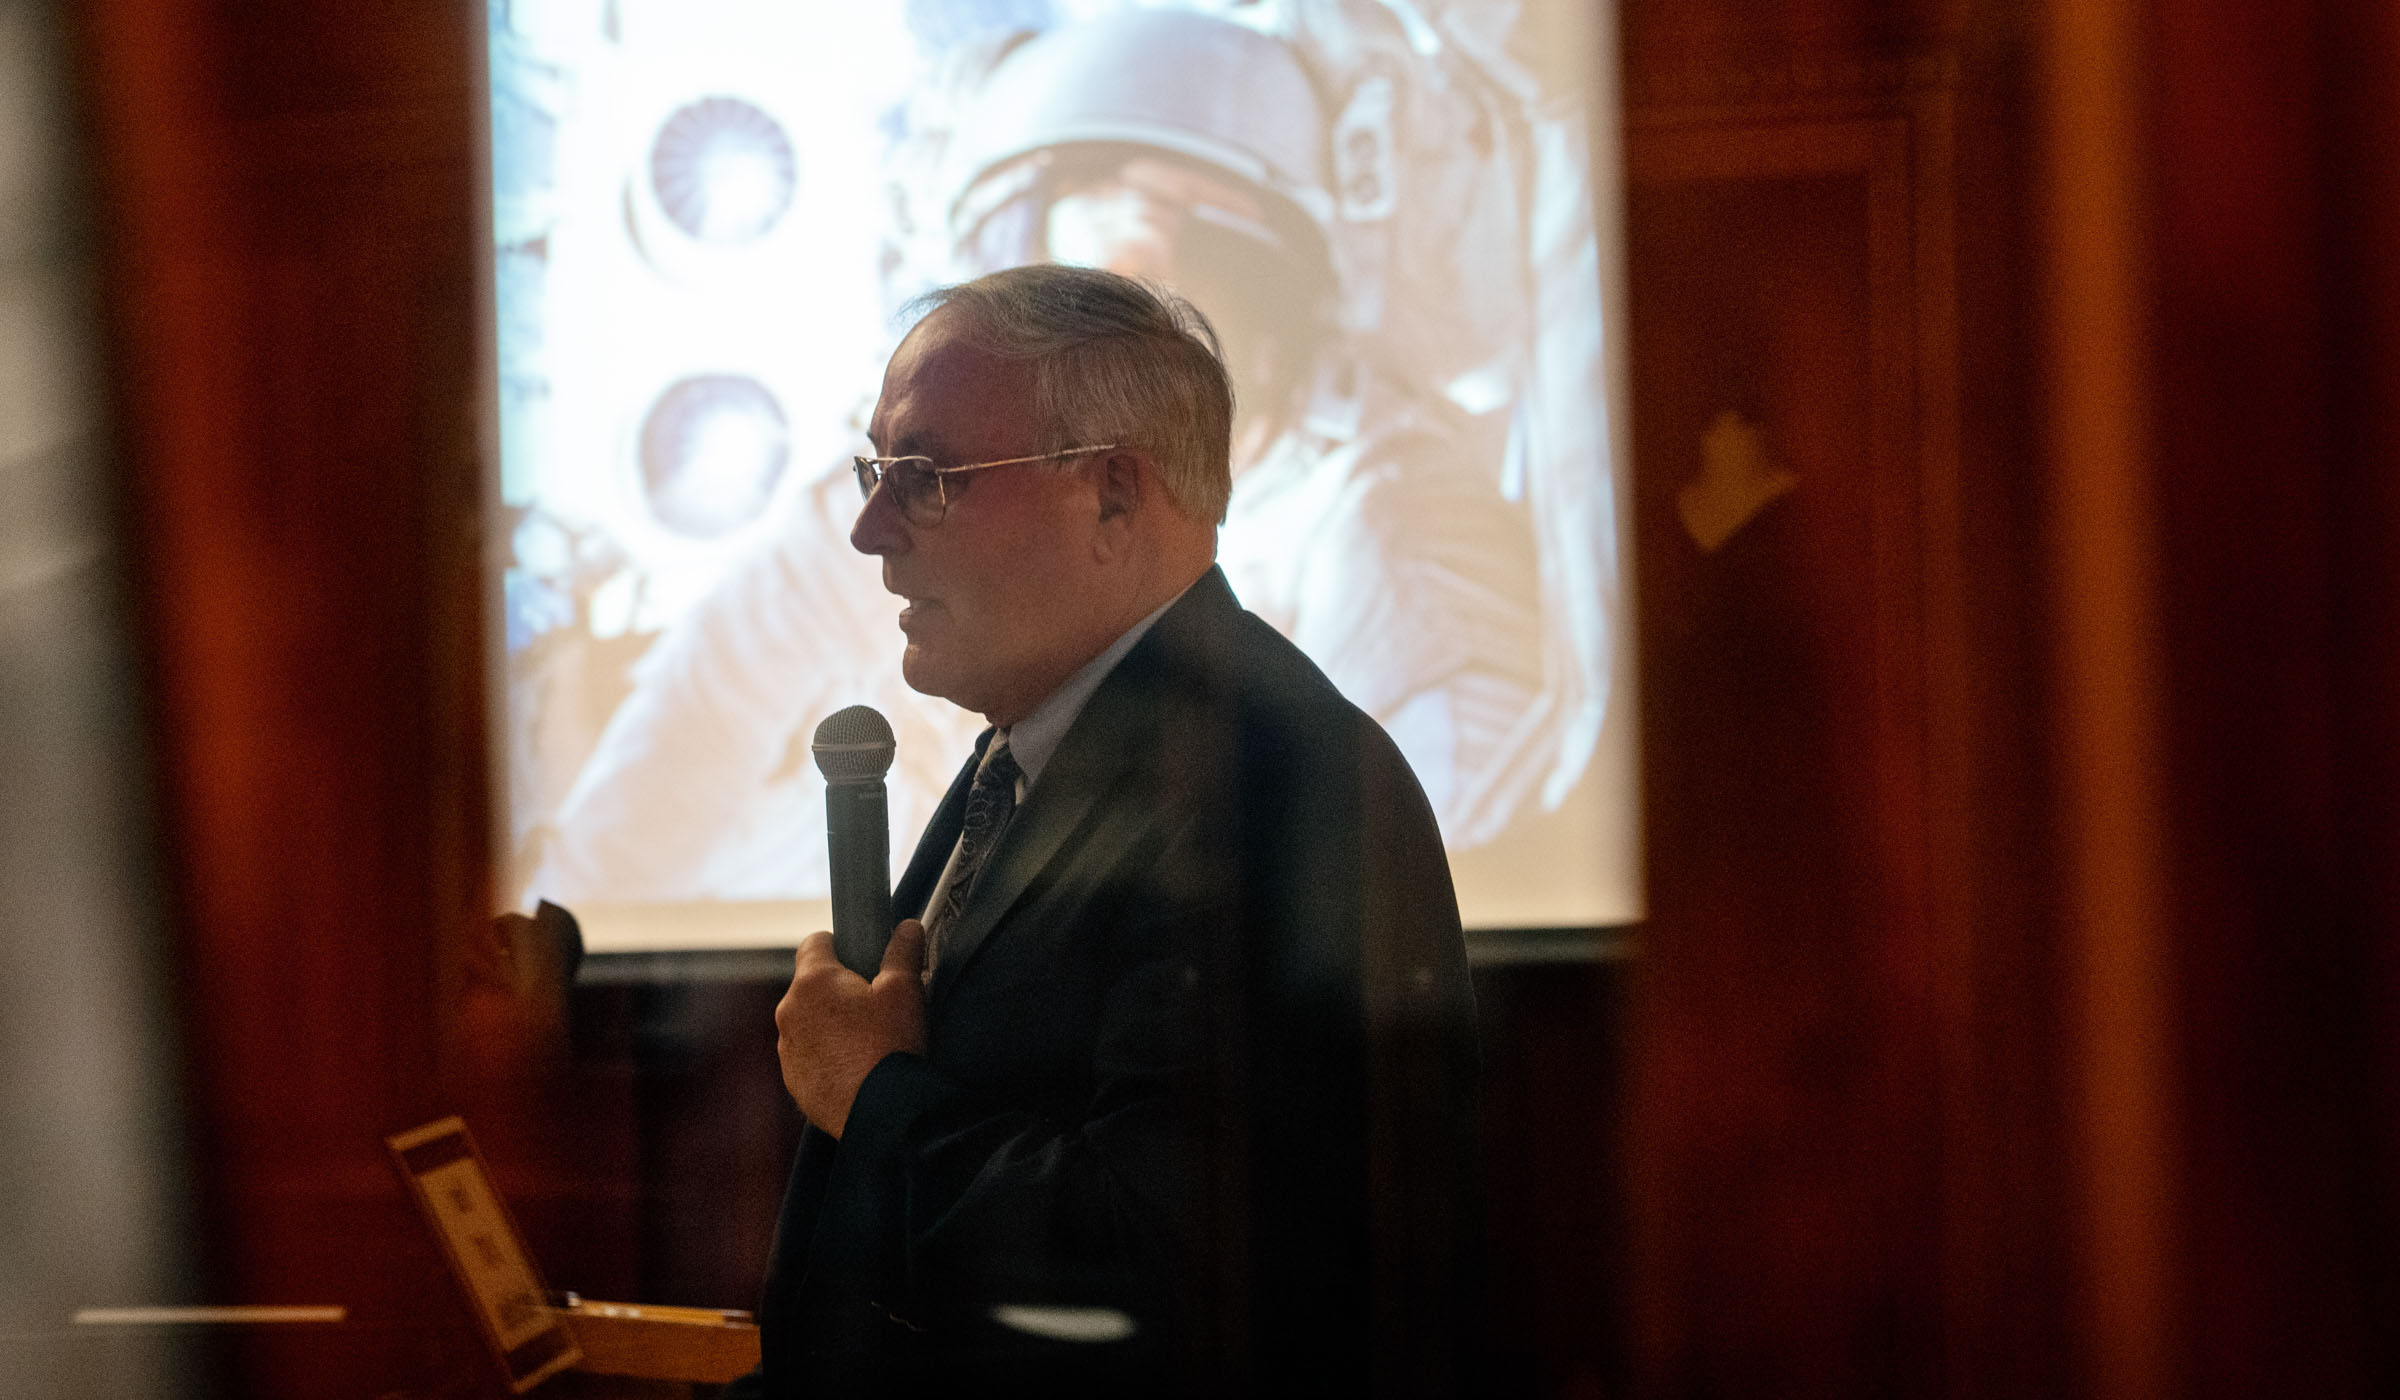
920,489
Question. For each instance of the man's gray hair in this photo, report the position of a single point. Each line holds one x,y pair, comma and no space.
1113,360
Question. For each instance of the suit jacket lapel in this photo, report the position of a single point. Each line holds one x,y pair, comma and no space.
1050,814
1090,763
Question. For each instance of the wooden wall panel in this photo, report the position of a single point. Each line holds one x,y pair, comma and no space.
1786,1123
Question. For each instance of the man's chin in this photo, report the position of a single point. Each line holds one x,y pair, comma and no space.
926,675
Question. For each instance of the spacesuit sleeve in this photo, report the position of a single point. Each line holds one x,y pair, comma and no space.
1422,601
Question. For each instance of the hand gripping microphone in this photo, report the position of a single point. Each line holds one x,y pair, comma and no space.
853,749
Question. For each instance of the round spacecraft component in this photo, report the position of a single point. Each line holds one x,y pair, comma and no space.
712,449
723,170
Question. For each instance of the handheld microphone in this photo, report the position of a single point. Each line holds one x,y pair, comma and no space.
853,749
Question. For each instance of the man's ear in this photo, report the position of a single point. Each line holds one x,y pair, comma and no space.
1122,480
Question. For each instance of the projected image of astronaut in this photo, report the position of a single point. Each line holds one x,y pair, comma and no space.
1392,235
1370,520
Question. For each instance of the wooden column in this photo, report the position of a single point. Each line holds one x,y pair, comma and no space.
290,228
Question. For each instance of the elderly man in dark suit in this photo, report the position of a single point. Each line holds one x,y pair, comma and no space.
1166,1080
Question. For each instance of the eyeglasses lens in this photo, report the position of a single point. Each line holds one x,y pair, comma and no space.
915,491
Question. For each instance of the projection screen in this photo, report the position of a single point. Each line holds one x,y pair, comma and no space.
707,215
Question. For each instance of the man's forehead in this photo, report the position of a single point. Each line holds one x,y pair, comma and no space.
934,377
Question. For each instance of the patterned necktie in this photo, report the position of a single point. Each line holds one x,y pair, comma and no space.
991,801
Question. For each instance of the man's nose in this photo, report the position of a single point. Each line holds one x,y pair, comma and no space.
879,528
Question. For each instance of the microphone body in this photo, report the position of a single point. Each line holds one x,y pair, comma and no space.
853,749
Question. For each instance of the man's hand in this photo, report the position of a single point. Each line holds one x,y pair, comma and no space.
833,1025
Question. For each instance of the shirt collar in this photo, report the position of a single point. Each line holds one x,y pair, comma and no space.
1034,738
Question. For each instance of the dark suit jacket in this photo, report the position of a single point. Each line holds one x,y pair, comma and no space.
1198,1088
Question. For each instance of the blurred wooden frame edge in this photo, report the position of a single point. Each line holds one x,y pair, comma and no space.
1486,947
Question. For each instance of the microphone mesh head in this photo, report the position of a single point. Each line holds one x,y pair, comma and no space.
853,745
